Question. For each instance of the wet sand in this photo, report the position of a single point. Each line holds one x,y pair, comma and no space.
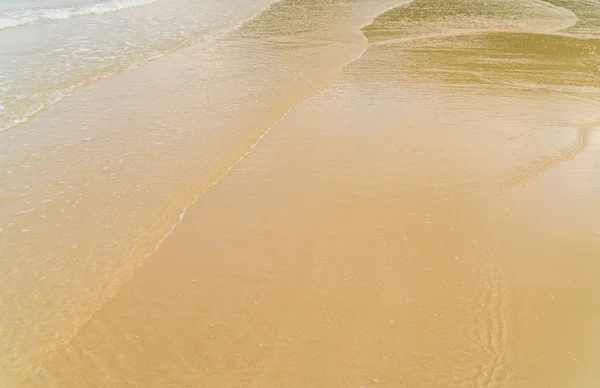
336,256
425,218
94,183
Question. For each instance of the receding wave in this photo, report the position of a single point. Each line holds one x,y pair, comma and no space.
23,17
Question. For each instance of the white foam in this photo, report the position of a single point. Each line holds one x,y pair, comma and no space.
23,17
39,367
26,211
111,6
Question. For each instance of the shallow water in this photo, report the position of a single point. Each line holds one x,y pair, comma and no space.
386,196
51,48
91,185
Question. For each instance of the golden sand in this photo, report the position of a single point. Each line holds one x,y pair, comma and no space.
427,217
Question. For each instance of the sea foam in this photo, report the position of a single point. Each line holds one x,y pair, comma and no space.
27,16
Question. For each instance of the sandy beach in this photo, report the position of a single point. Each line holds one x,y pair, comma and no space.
374,195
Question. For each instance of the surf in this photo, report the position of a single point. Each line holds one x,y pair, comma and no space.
26,16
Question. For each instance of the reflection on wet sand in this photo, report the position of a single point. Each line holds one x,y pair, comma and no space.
424,218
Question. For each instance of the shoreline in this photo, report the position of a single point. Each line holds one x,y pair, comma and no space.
144,248
377,231
310,253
